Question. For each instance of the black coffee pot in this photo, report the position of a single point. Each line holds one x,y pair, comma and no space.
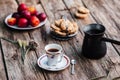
94,46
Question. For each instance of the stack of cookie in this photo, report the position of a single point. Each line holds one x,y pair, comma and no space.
64,27
82,12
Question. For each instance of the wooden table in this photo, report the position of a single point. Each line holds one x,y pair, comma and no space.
106,12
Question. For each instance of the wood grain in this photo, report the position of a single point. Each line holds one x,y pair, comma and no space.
4,31
101,11
16,70
2,69
91,20
69,48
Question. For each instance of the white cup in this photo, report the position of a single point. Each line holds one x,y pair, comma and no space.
54,54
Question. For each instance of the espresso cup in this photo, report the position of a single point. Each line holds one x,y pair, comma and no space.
54,54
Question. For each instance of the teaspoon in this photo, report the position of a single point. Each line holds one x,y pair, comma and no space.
73,62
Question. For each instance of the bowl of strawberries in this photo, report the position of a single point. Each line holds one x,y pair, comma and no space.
26,18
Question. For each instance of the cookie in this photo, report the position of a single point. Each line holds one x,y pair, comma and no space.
55,27
63,25
83,10
58,22
80,15
60,33
70,28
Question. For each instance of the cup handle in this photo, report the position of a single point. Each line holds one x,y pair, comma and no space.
111,40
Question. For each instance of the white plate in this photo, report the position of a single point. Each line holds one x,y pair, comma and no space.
42,63
26,28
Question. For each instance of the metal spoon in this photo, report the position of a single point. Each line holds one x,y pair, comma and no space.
73,62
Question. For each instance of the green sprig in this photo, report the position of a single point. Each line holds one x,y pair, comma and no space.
25,46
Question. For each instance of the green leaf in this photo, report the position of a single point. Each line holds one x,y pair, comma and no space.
9,40
19,42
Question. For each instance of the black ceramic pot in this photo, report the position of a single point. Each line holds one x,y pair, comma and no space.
94,46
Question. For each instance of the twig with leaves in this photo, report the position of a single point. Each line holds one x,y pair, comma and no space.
25,46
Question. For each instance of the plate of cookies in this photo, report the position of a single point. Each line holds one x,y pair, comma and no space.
64,29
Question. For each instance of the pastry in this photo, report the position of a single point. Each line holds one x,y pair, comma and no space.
54,27
60,33
70,27
80,15
58,22
63,25
83,10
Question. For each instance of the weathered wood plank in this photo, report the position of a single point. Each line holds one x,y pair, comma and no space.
4,30
87,21
30,68
43,37
11,59
28,2
85,69
99,11
2,69
50,12
94,68
16,70
69,48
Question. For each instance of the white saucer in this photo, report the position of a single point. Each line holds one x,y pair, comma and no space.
42,63
26,28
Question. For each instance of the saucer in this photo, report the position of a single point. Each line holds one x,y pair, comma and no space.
42,63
